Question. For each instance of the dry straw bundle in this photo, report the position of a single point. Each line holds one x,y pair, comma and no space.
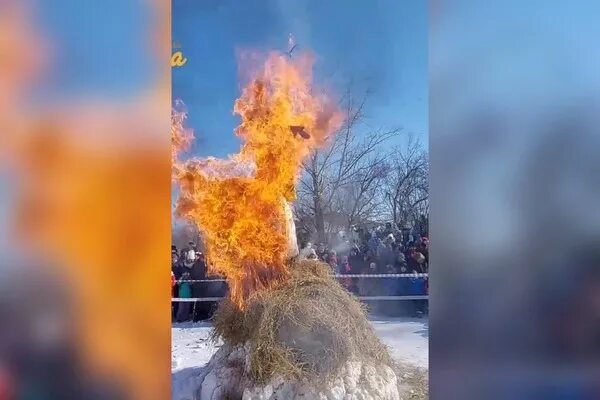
306,329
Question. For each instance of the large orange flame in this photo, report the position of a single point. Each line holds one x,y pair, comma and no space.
239,204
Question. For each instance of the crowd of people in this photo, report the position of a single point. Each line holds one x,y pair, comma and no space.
187,267
385,250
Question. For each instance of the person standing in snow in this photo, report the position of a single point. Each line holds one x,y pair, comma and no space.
185,292
369,286
418,287
176,271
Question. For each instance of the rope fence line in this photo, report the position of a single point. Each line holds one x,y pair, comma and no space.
192,300
337,276
201,299
367,298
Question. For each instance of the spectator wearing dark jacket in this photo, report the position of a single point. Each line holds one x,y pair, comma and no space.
322,252
373,243
386,255
404,284
400,261
368,286
176,272
424,249
357,261
390,285
185,292
200,289
176,266
395,287
411,261
418,287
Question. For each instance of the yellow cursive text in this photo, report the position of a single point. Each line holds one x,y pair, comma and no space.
177,59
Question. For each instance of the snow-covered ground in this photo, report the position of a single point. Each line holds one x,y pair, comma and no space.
407,338
191,348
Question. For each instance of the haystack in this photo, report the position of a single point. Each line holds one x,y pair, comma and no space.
307,338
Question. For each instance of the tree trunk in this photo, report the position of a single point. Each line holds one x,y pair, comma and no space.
319,219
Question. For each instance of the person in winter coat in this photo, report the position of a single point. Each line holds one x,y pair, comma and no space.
421,264
374,243
411,261
176,265
358,263
424,249
418,287
190,255
390,285
386,254
333,262
322,252
201,289
381,251
346,269
368,286
400,261
173,295
185,292
404,284
176,270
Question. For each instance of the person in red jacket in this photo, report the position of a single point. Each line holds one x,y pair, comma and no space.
345,269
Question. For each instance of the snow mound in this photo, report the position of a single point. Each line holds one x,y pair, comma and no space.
227,377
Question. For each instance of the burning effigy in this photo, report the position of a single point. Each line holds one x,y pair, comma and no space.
288,329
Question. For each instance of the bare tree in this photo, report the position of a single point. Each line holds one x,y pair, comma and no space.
340,184
406,186
360,200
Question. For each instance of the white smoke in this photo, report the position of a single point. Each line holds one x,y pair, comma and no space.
219,169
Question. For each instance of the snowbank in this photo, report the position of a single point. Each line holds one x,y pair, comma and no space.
192,349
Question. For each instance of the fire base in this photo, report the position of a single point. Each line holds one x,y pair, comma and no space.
307,339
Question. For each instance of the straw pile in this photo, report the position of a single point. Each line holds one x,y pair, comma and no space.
306,330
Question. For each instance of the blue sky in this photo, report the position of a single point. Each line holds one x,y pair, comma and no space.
379,44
